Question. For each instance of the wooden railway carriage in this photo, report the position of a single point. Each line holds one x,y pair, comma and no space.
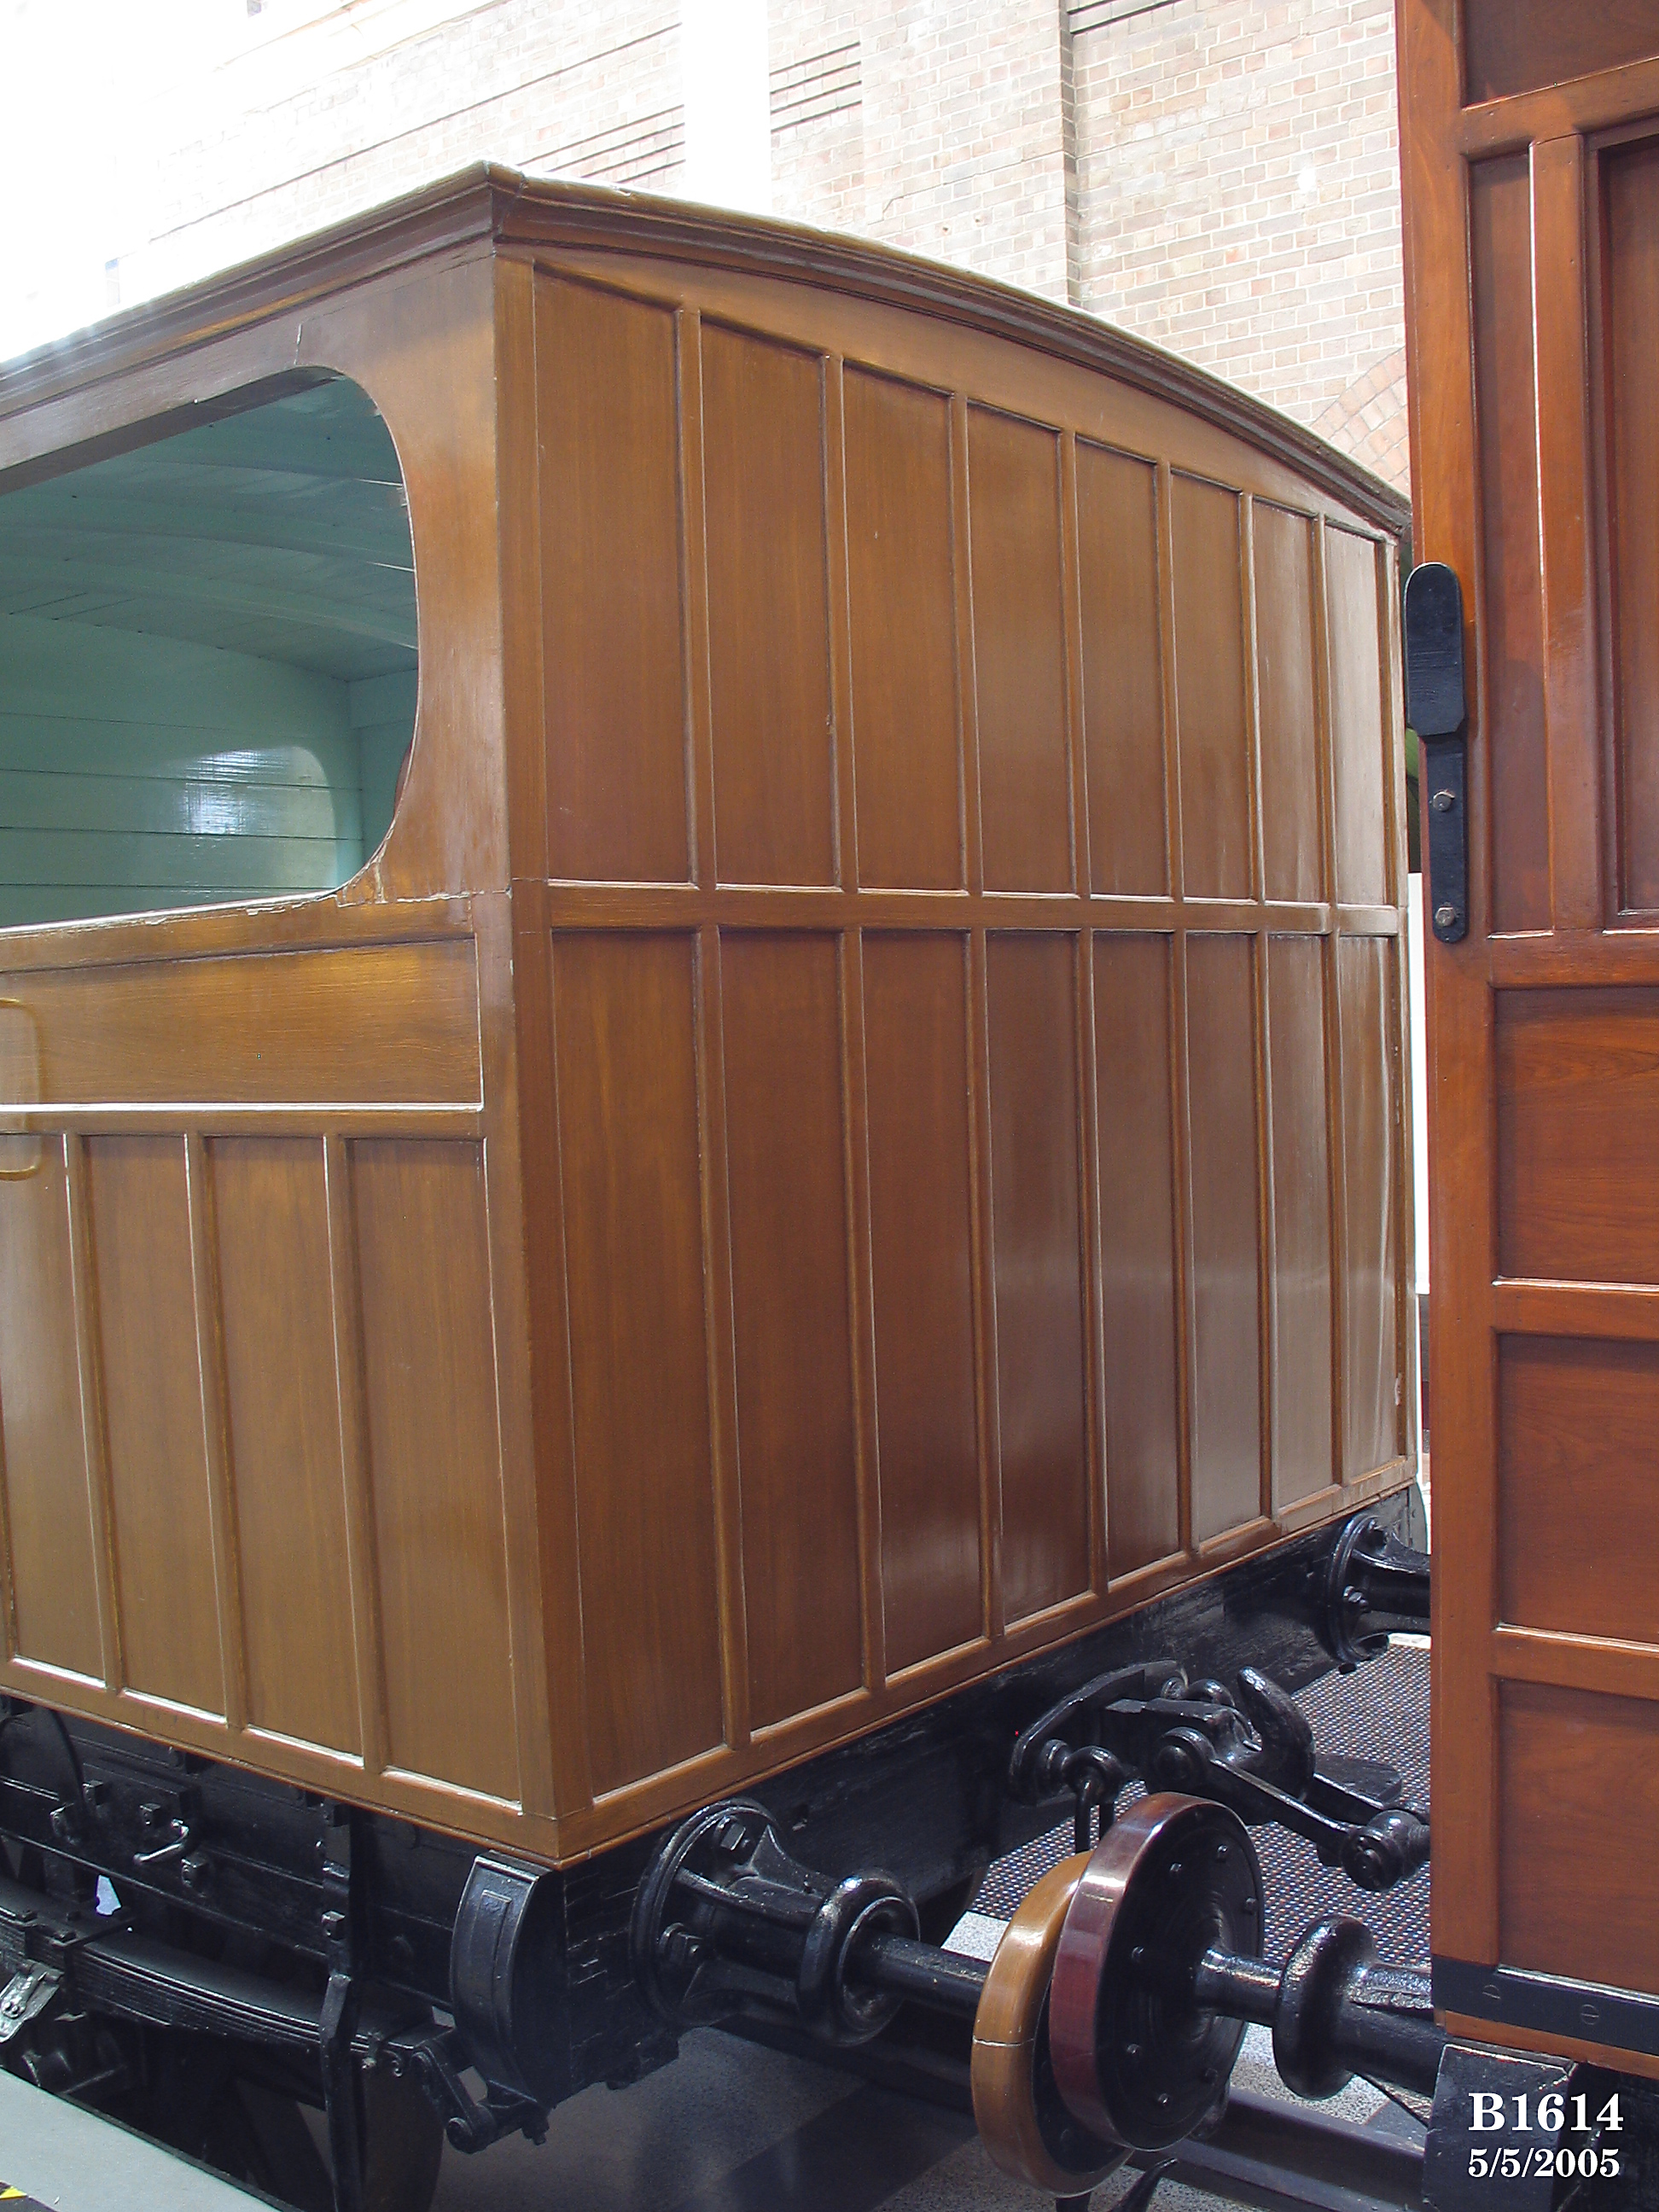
700,1033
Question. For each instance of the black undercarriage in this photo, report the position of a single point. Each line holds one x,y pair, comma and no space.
203,1951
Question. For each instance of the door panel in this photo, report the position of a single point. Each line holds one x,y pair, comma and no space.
1531,228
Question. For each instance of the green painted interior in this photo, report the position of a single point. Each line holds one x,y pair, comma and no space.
207,663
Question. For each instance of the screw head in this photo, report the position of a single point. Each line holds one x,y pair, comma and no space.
1444,916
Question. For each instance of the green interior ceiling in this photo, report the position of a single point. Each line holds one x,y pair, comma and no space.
207,663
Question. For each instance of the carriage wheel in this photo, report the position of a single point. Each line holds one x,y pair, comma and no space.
1026,2127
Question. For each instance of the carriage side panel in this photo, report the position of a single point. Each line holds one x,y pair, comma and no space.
979,1052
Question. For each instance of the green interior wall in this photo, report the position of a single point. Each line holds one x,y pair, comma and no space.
142,771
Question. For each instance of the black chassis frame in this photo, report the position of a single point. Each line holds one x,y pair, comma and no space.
229,1923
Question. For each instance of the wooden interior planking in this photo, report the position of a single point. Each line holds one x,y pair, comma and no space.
915,1027
271,1206
48,1502
627,1101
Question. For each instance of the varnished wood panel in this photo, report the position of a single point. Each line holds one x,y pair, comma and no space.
1518,46
612,648
626,1041
271,1208
796,1431
1137,1248
1372,1385
158,1484
1577,1129
1578,1800
1578,1507
1631,292
1122,670
435,1460
1511,601
1215,797
906,720
1226,1381
1303,1455
48,1508
769,612
1020,653
1357,738
915,1027
359,1023
1287,683
1037,1269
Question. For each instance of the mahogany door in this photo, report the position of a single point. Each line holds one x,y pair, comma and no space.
1530,154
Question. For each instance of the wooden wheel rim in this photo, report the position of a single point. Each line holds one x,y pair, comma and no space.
1011,2047
1140,2063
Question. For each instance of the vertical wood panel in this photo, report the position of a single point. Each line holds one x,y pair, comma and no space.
1371,1113
1631,291
48,1503
1020,653
1578,1508
1511,595
1302,1218
1572,719
1287,683
1122,670
1227,1357
901,611
1215,790
158,1481
1036,1267
1357,738
915,1023
428,1367
634,1261
613,650
768,620
796,1432
272,1209
1515,45
1578,1789
1138,1242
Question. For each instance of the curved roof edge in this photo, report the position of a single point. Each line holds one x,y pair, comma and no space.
501,205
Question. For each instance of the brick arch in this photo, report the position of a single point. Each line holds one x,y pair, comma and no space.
1369,420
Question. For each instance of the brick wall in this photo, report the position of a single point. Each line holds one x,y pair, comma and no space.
1239,199
1220,176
